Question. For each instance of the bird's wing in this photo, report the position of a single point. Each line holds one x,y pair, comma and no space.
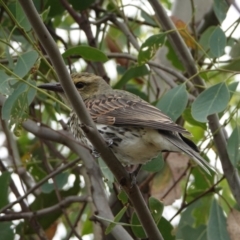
126,110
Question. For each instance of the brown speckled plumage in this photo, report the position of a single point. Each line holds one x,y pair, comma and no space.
138,131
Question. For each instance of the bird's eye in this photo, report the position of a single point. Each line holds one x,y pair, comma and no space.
79,85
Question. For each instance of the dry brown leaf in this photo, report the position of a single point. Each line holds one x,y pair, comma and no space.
162,183
184,32
233,224
50,232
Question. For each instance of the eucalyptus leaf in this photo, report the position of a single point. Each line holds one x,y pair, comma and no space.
155,165
15,107
217,42
117,218
211,100
174,102
216,228
83,6
25,62
22,18
233,146
60,180
87,53
131,73
166,229
5,83
6,231
136,227
106,171
220,8
156,208
10,101
150,47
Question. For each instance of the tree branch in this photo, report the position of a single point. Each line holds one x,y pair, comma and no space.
25,215
93,135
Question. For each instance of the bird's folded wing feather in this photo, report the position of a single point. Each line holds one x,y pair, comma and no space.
125,110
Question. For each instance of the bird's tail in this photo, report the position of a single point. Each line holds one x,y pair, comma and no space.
188,147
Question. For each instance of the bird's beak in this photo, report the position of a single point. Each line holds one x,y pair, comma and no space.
56,87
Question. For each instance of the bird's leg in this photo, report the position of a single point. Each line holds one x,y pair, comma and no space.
95,153
133,174
109,142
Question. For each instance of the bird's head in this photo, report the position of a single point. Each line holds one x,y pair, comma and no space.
87,84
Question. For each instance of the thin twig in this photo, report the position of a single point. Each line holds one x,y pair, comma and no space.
10,216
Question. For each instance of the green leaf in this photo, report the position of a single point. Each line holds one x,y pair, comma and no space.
186,219
156,208
211,100
148,18
44,200
55,8
11,100
233,146
45,13
217,226
122,196
31,92
174,102
173,57
87,53
150,47
201,213
136,227
232,88
19,113
204,41
9,57
60,179
83,5
133,89
5,83
220,8
25,62
22,18
217,42
106,171
131,73
4,184
35,170
166,229
116,220
188,117
6,232
16,105
87,225
155,165
190,233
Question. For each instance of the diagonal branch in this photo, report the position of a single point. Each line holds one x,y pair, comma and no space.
115,166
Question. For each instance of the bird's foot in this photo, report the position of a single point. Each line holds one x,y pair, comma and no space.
109,142
95,153
133,179
133,173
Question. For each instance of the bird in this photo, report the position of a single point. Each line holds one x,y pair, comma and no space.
135,130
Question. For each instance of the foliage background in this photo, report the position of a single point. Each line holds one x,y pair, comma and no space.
45,186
